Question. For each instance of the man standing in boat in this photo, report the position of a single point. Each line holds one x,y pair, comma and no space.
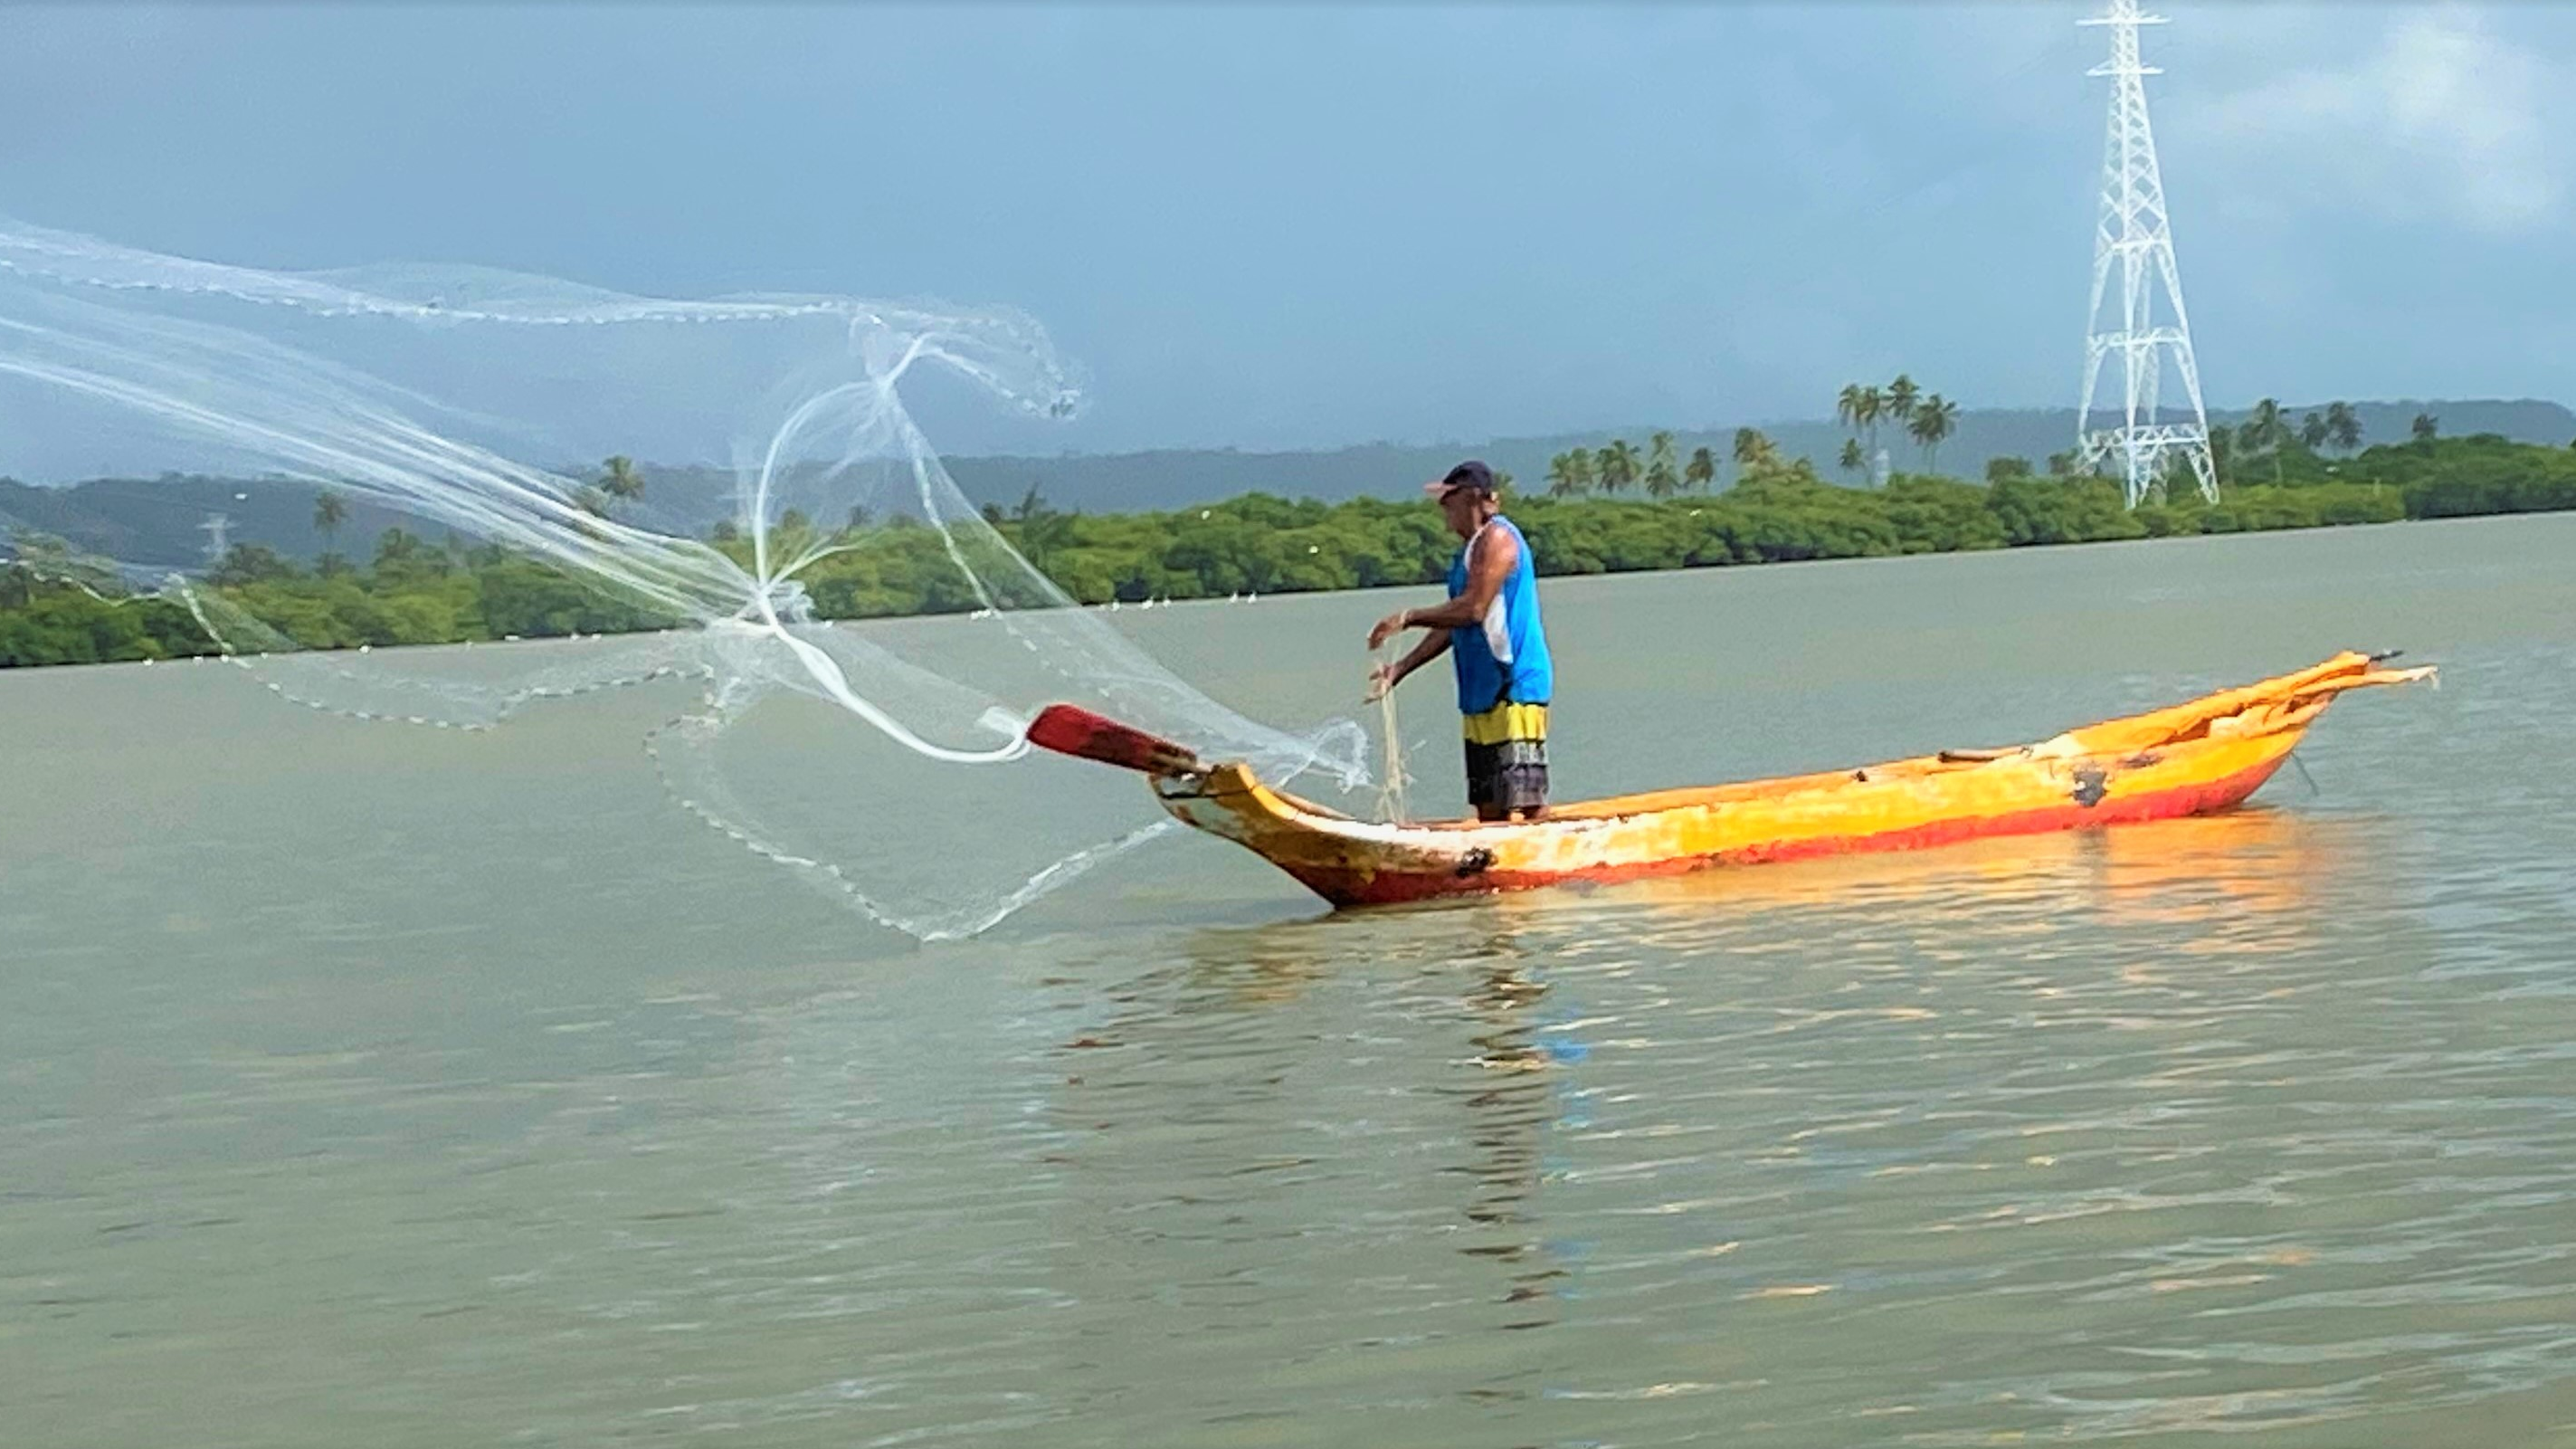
1491,631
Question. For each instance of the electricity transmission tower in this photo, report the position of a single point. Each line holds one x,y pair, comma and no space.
2134,238
218,531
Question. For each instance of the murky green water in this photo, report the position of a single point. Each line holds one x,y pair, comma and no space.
370,1085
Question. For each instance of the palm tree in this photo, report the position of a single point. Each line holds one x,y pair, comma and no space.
2343,425
2313,432
1701,471
1032,506
1754,450
1663,471
1901,397
1853,459
2265,430
329,512
1617,465
2426,427
1579,467
1037,527
1859,407
619,480
1561,479
1921,423
1933,419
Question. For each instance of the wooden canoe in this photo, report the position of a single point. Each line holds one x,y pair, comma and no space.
2193,759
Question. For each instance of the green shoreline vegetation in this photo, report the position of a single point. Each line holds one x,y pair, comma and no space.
1617,509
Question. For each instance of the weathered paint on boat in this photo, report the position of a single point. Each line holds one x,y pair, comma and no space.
2196,758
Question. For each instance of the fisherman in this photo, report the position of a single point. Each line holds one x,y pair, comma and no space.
1490,629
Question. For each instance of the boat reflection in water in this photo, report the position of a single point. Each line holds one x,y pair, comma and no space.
1578,1094
1735,1124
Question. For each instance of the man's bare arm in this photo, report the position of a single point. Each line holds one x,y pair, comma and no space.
1433,645
1489,566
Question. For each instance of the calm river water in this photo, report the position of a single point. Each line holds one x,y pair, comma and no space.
369,1085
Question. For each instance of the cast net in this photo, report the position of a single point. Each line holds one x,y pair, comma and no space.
468,406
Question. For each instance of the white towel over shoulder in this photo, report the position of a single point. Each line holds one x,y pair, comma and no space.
1498,630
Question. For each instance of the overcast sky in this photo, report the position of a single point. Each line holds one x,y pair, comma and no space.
1327,224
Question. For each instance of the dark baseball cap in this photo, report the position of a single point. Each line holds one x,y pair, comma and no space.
1470,474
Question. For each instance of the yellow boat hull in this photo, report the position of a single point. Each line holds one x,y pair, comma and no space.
2196,758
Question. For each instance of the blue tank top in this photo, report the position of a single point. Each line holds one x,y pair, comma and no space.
1504,659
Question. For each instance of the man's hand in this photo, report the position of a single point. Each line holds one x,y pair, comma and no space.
1385,677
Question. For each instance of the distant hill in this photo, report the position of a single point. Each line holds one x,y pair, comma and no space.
1140,481
159,522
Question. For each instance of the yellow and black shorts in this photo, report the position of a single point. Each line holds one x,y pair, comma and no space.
1507,759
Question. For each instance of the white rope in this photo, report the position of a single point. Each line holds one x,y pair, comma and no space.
1390,790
